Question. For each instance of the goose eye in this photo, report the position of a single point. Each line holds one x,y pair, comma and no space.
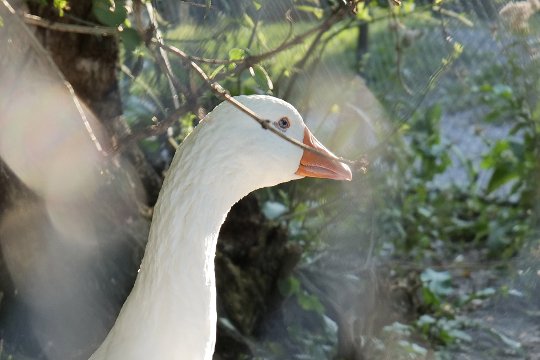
284,123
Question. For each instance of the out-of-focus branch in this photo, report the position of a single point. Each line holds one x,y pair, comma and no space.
242,65
160,55
158,128
395,27
265,123
446,64
79,29
251,60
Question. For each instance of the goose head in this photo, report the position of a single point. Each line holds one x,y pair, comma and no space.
261,158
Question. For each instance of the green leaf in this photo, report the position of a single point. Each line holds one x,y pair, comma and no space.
518,149
310,303
261,77
289,286
425,322
425,212
434,113
407,7
237,54
362,12
248,21
430,298
504,91
60,5
438,282
486,88
493,158
502,175
130,38
217,71
257,5
316,11
412,348
109,12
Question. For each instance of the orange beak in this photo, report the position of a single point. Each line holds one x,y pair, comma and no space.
318,166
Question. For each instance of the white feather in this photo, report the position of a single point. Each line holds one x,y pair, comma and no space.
171,311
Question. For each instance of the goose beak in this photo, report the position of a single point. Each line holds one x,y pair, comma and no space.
318,166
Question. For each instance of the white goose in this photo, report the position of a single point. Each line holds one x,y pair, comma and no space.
171,311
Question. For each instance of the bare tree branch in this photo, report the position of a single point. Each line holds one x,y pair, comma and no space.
265,123
79,29
159,128
216,88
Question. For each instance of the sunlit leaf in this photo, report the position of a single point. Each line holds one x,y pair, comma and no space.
425,322
362,12
248,21
412,348
408,7
61,6
398,328
261,77
310,303
237,54
257,4
425,212
438,282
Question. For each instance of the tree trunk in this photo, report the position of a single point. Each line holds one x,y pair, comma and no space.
89,63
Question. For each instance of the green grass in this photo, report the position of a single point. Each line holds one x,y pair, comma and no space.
340,50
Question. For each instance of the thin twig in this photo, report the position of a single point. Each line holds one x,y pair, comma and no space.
432,79
79,29
156,129
265,123
255,59
254,30
218,89
194,4
160,55
399,52
124,69
249,61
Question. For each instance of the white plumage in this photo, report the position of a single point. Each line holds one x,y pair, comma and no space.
171,311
